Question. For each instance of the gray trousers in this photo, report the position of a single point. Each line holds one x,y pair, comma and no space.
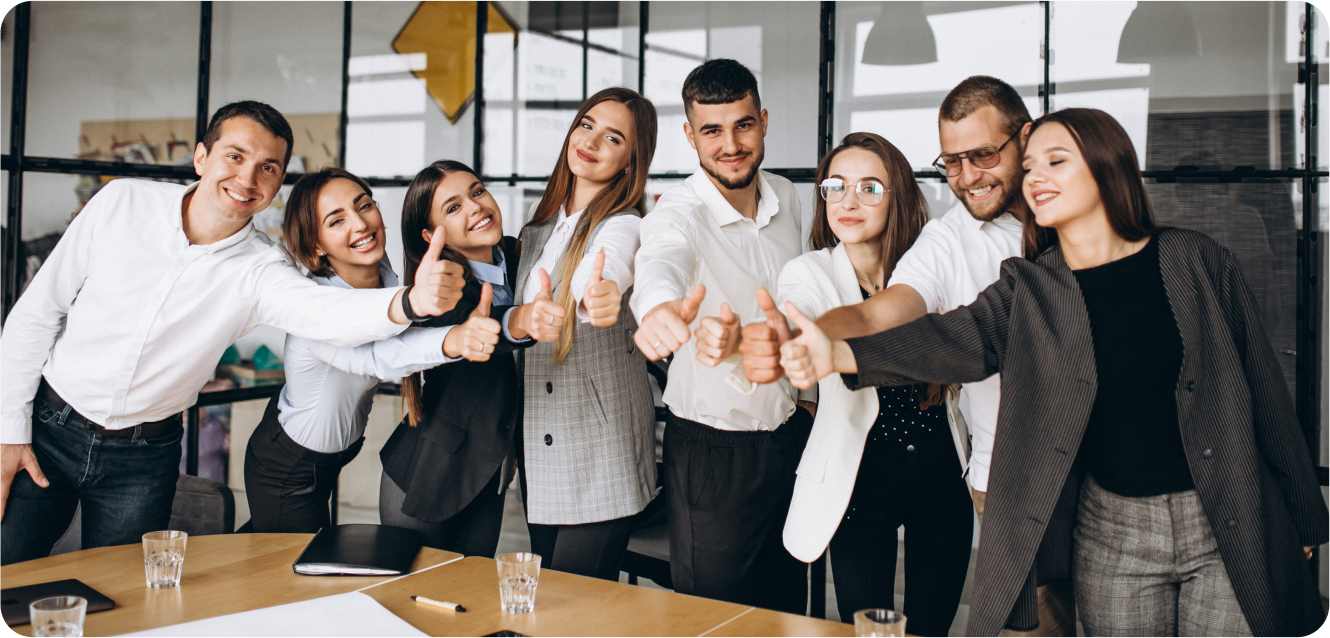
1149,566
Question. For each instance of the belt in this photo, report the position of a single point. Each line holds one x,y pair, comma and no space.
141,431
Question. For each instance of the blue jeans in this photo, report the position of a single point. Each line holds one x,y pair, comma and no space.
125,485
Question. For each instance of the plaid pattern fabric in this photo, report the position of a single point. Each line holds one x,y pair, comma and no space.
589,424
1150,566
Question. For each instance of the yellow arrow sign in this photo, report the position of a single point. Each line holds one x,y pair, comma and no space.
446,33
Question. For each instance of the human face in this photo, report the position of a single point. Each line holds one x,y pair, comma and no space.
853,221
600,146
729,140
468,214
350,226
1059,187
242,173
986,192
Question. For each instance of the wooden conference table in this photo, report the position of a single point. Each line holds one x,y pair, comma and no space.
232,573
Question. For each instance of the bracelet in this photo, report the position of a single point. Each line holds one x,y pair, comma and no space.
406,306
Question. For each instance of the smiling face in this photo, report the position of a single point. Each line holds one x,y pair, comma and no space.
350,226
853,221
1058,186
600,146
729,140
241,174
469,214
986,192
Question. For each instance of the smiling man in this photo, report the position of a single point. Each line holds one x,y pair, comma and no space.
127,319
730,451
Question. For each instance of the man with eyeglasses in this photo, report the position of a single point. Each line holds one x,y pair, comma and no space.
980,124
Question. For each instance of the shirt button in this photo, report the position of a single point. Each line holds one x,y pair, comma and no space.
909,448
549,388
1191,386
1207,453
549,440
1232,522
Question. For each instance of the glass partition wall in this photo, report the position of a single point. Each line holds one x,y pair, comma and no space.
1213,94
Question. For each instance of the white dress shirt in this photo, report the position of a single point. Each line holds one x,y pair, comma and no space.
618,237
954,259
329,389
126,320
694,236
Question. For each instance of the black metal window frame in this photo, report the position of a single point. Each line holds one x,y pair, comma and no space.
1310,283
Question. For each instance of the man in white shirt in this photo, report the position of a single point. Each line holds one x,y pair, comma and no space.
730,451
981,125
126,320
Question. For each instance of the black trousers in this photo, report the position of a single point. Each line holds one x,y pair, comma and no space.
728,494
473,531
924,491
588,549
288,485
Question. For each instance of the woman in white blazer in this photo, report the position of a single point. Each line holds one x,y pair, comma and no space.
878,458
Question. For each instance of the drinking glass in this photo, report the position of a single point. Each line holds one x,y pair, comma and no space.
58,616
878,622
518,574
164,558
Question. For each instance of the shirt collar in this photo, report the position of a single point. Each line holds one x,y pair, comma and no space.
767,207
236,238
387,277
565,220
1005,219
495,273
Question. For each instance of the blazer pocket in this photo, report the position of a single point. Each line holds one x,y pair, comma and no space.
813,467
448,436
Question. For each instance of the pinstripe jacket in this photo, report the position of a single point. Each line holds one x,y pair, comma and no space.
1246,451
589,426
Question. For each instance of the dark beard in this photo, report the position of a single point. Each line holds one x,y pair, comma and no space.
743,181
1010,192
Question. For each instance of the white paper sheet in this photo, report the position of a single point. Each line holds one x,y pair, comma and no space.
352,614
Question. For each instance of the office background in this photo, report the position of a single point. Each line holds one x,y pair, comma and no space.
1223,100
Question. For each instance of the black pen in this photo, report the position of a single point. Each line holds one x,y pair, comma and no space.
437,603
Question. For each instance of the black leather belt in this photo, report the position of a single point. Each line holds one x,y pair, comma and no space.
143,430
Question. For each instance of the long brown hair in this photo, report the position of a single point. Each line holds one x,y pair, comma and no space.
1111,158
300,225
624,192
415,218
907,212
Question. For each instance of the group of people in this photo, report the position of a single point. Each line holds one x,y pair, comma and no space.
1143,459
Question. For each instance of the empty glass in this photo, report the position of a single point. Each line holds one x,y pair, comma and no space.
518,574
878,622
164,558
58,616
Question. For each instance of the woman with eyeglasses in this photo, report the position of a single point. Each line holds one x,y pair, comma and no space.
877,458
1147,445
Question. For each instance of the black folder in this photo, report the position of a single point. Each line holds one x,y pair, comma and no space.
359,550
16,599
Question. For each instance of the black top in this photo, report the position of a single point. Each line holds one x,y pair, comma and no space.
901,426
1133,443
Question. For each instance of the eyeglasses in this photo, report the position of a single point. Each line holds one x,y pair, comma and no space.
982,157
870,193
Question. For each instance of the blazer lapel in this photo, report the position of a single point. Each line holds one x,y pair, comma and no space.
847,283
532,243
1182,297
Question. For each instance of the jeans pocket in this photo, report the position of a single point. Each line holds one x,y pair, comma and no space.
165,440
44,412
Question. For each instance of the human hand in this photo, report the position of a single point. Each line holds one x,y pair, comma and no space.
664,329
602,298
14,458
542,319
717,339
761,342
475,339
438,284
808,357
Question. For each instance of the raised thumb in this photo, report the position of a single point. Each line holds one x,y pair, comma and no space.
545,286
764,301
596,267
727,315
436,242
799,319
486,297
692,302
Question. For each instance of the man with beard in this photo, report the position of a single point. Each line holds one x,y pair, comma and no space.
730,452
981,125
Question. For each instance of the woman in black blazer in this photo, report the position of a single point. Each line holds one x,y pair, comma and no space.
1146,444
448,463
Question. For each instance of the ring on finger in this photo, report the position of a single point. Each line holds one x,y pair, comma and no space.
551,319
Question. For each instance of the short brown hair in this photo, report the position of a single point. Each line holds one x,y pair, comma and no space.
1111,157
300,226
978,91
266,116
719,81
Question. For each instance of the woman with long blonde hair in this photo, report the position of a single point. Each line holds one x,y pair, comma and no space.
588,445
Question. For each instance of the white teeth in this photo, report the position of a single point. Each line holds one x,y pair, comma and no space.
237,197
1045,196
980,192
483,224
363,242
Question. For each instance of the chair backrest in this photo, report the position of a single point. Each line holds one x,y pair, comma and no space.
202,506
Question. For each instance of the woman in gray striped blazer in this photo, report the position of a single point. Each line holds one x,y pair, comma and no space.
588,461
1146,444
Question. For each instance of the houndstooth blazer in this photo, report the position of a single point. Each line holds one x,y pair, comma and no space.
588,429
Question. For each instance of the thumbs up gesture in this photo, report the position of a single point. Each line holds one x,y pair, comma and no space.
438,284
808,357
717,339
602,298
542,319
664,329
761,342
475,339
